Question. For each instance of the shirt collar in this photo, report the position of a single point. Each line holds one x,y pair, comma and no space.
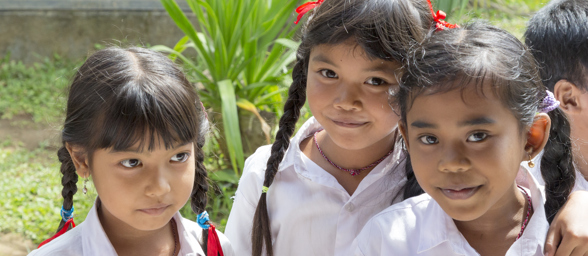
293,152
438,227
95,241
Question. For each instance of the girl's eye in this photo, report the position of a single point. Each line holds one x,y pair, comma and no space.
478,136
376,81
428,140
181,157
328,73
130,163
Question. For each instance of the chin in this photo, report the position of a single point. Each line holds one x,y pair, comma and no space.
462,213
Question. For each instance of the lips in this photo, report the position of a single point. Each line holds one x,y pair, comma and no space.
155,210
349,123
459,192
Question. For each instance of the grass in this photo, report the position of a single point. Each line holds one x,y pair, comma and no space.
30,188
38,90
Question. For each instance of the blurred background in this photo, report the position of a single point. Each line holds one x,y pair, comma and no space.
241,49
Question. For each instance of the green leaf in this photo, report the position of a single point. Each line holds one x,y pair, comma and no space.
231,124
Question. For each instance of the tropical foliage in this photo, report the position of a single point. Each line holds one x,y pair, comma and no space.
243,50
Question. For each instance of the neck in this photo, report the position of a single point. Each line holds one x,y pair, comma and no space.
495,231
355,158
126,239
580,152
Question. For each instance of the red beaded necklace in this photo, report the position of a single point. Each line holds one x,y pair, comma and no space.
353,172
529,210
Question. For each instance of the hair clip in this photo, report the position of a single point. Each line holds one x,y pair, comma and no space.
439,17
66,215
549,103
202,219
304,8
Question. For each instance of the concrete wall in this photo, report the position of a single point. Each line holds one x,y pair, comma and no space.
33,29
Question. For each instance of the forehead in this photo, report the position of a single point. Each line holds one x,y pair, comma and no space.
349,53
458,106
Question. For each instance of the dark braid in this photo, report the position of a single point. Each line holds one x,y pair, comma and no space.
557,166
69,180
199,196
412,187
296,98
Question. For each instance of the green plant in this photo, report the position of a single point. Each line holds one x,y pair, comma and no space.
243,52
37,90
30,193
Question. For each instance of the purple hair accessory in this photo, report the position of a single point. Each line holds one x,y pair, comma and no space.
549,103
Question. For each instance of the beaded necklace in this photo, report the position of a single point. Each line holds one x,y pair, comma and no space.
529,210
353,172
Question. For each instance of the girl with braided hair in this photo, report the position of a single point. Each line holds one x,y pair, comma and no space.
311,195
474,114
135,124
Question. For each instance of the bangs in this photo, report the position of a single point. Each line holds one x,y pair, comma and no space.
146,113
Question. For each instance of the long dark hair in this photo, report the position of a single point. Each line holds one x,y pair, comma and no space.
478,54
120,97
382,28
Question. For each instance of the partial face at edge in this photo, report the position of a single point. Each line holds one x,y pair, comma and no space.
466,155
348,94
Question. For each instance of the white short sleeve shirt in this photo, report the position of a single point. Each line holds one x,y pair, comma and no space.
89,239
419,226
309,211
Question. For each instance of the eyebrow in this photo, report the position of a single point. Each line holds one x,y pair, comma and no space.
422,124
477,121
471,122
136,150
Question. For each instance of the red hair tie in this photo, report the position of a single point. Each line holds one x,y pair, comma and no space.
304,8
439,17
60,232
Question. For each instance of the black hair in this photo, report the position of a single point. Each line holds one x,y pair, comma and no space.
121,97
384,29
558,37
478,54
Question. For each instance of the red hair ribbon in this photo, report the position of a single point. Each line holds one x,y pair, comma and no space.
214,246
303,9
439,19
60,232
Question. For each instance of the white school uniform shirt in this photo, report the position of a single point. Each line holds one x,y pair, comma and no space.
419,226
581,182
309,211
89,239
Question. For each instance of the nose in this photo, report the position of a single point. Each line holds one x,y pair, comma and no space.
158,182
454,159
348,97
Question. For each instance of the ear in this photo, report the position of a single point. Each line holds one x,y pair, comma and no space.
538,135
79,159
567,94
403,132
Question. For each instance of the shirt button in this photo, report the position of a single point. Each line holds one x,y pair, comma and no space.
350,207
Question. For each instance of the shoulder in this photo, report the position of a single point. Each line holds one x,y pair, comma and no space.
395,230
403,215
256,163
195,231
66,244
